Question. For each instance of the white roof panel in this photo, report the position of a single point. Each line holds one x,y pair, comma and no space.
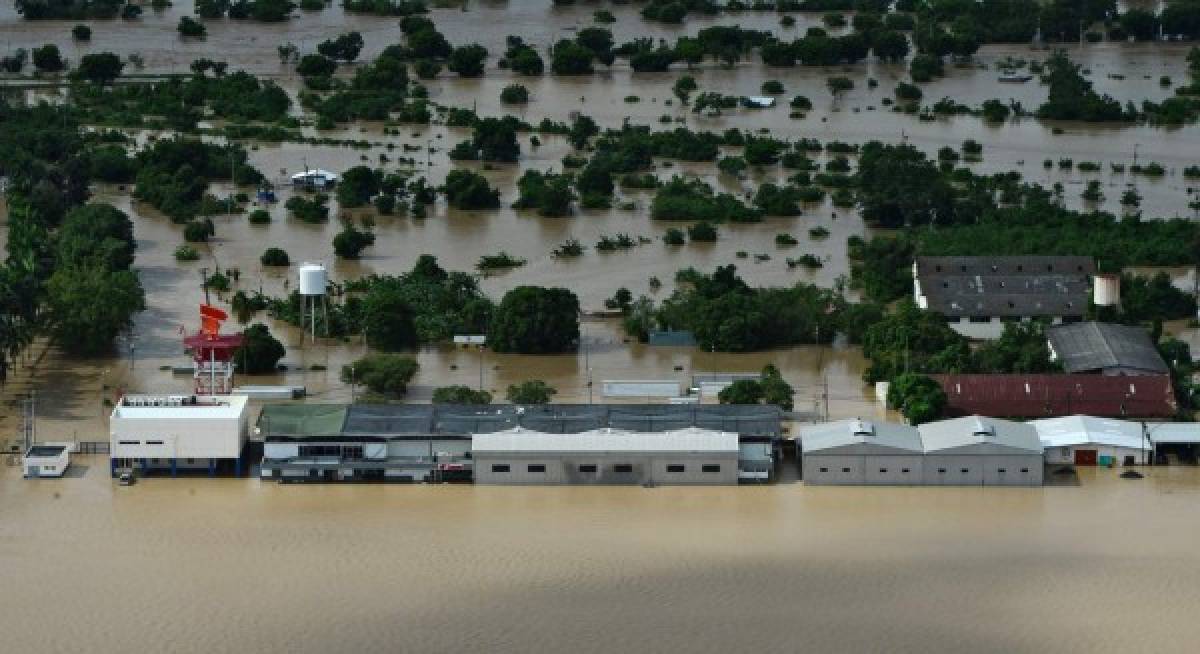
979,430
1173,432
220,407
606,440
1087,430
841,433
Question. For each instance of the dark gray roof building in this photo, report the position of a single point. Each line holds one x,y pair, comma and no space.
1018,287
1106,348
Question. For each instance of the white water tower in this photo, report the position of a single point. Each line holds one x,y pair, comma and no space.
1106,290
313,280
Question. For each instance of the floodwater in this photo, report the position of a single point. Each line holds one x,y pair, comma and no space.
234,565
73,391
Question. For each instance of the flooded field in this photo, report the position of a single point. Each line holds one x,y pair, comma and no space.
200,565
1125,70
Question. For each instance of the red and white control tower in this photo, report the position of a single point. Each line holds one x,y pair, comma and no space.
213,353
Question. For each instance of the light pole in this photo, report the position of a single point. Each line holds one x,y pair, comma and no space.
353,383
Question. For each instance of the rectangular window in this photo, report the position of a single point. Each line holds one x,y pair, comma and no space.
710,467
500,467
883,471
129,442
904,470
981,318
965,470
1024,469
623,467
824,469
536,467
845,469
941,471
1001,470
675,467
154,442
587,467
953,319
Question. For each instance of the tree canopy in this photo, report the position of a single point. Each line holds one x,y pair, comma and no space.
535,320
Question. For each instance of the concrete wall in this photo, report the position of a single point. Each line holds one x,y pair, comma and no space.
565,468
872,470
192,438
1061,455
983,470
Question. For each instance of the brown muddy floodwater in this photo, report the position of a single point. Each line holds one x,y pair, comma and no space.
236,565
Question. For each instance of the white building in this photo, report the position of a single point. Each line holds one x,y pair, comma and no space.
172,432
46,460
980,451
606,456
855,452
1084,440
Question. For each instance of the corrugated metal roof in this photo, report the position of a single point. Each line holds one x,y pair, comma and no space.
1006,286
302,420
840,433
1069,431
1090,346
1180,433
1036,396
606,440
978,430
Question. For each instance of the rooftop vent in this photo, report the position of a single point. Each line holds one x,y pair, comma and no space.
860,428
983,429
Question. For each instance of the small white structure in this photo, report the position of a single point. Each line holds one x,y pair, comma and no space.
1106,290
606,456
46,460
639,388
313,279
1085,440
317,178
760,101
170,432
851,452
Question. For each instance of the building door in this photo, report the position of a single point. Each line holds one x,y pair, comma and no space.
1085,457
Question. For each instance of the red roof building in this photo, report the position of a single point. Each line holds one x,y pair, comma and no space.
1045,396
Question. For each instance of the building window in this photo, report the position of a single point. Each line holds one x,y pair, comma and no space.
953,318
941,471
536,467
1024,469
623,467
129,442
824,469
904,470
965,470
587,467
500,467
154,442
710,467
883,471
675,467
1001,470
845,469
981,319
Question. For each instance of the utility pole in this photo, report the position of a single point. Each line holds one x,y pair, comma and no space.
204,282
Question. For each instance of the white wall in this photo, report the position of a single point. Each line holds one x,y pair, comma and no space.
171,438
1061,455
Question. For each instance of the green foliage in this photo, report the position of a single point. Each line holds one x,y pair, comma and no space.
535,320
309,210
96,235
533,391
514,94
351,241
386,374
500,261
550,194
899,186
344,47
190,27
357,186
702,232
726,314
1071,96
81,33
442,304
1144,300
468,60
682,199
919,398
468,190
388,318
275,257
259,217
198,231
175,173
522,58
186,253
912,340
87,307
260,351
47,59
769,388
459,394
